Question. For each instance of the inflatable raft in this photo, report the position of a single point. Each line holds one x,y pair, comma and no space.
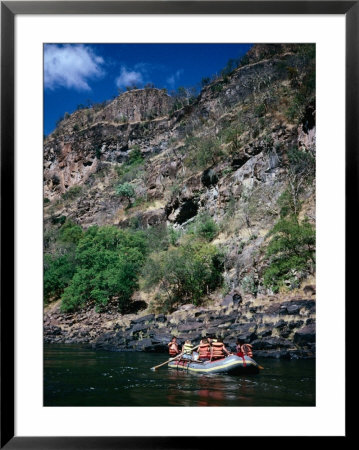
231,364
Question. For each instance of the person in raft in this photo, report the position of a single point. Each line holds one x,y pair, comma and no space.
173,348
187,350
243,349
204,350
239,344
218,350
212,339
247,350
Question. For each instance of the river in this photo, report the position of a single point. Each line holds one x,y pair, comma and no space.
77,376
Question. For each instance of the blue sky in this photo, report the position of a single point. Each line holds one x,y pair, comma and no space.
77,74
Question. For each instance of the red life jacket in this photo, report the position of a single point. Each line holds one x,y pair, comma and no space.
173,349
204,351
217,350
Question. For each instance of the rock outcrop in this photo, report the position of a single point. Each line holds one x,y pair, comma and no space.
284,329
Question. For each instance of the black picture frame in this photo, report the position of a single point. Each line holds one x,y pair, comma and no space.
9,9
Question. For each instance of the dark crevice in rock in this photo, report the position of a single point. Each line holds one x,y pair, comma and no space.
209,177
189,209
309,118
239,160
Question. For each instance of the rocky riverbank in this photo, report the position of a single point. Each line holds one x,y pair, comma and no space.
276,326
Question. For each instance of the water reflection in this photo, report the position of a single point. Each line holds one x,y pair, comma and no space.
210,390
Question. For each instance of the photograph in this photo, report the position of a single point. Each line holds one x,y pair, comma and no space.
179,218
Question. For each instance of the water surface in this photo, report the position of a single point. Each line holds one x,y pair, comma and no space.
77,376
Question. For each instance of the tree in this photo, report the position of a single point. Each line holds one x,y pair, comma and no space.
185,273
291,252
58,272
127,191
108,261
202,152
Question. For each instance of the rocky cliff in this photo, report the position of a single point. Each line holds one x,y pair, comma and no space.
277,328
223,154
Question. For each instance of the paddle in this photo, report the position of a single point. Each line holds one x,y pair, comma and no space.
171,359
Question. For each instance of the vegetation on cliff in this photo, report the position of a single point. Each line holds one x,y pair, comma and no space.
291,251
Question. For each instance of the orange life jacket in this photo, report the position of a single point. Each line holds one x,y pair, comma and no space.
204,351
247,350
217,351
173,349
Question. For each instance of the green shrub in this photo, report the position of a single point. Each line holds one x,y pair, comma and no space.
290,252
98,152
127,191
72,193
58,220
202,152
174,235
58,272
127,173
249,285
133,168
215,88
260,110
231,135
185,273
108,263
70,233
158,238
46,201
135,156
204,227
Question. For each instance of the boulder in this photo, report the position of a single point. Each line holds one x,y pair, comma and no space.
189,326
305,335
271,343
227,301
264,333
295,324
139,327
273,308
161,318
293,309
161,338
144,345
187,307
280,324
147,318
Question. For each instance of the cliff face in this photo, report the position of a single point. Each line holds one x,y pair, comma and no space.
254,117
89,137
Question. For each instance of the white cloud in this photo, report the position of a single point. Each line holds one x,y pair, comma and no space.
70,66
171,81
129,78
